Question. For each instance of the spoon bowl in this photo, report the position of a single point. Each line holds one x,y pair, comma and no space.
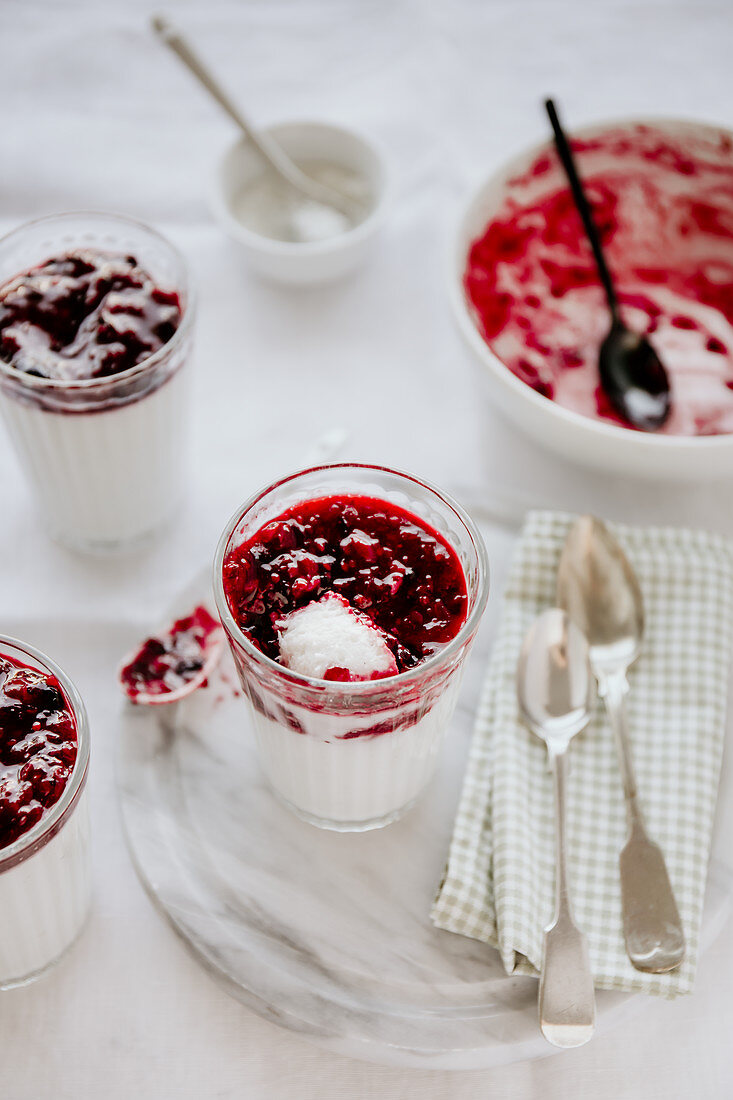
634,378
597,586
555,687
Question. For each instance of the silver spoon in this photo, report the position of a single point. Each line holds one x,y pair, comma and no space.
598,588
555,691
268,149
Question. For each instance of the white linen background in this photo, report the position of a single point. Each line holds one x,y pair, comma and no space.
97,115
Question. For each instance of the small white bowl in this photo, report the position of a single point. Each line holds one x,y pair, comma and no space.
313,261
581,439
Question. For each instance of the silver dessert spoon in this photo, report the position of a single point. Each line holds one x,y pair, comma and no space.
555,690
598,588
280,163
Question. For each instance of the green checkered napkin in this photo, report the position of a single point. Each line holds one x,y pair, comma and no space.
499,883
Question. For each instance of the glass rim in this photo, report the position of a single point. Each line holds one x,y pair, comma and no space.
359,687
50,823
36,382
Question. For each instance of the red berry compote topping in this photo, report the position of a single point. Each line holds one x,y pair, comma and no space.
38,746
165,664
86,314
388,565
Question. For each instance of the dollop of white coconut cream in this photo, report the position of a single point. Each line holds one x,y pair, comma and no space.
329,633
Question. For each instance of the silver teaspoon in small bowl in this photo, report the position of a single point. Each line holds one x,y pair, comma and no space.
555,691
598,588
349,206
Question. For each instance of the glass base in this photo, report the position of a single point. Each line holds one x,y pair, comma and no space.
102,547
346,826
28,979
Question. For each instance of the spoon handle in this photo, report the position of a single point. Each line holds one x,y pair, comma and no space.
568,162
267,148
175,41
655,939
567,1005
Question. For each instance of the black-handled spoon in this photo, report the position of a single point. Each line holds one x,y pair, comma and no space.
632,374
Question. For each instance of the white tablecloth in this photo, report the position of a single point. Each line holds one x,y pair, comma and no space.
96,114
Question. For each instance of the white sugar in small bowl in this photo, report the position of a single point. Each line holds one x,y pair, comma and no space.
313,261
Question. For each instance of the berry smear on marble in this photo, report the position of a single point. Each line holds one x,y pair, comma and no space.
169,665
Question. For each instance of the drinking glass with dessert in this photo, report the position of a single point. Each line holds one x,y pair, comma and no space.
96,318
350,596
44,823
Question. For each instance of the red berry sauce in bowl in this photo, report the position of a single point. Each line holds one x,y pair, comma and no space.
38,746
662,197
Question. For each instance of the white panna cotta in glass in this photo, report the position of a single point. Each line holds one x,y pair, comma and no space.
350,596
96,317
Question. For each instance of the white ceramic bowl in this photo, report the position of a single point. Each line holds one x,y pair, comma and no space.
313,261
581,439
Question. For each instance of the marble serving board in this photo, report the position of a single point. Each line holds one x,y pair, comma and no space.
326,934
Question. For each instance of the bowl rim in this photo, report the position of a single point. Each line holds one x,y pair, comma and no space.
290,249
188,312
574,421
